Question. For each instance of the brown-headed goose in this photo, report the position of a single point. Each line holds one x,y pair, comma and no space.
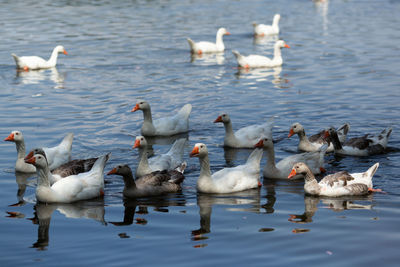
33,62
152,184
262,29
314,142
56,156
209,47
337,184
178,123
245,137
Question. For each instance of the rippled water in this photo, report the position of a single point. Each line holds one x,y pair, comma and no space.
343,66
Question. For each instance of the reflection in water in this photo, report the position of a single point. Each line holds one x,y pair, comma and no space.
207,59
266,39
262,74
22,182
93,209
322,8
36,76
206,201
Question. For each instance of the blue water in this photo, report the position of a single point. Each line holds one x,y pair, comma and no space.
342,66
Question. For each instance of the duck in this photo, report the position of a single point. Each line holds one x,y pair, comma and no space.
360,146
171,160
262,29
56,156
166,126
314,142
72,167
245,137
282,169
337,184
227,180
34,62
256,61
209,47
152,184
86,185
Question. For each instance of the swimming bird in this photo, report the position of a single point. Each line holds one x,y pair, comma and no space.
209,47
34,62
262,29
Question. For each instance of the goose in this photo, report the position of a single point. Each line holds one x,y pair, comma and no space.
178,123
314,142
227,180
72,167
209,47
262,29
169,161
282,169
245,137
72,188
56,156
360,146
33,62
337,184
256,61
152,184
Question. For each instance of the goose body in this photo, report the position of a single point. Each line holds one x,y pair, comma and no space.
337,184
314,142
282,169
35,62
257,61
56,156
152,184
360,146
227,180
245,137
166,126
169,161
262,29
209,47
72,188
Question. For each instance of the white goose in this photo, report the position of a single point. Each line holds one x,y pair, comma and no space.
33,62
245,137
171,160
152,184
314,142
337,184
179,123
56,156
360,146
262,29
227,180
282,169
208,47
256,61
73,188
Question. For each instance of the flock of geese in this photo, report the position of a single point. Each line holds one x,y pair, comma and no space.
61,180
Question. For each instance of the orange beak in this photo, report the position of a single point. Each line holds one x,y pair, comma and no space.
227,33
292,174
287,46
31,160
10,137
65,52
219,119
291,132
135,108
194,152
30,155
260,144
137,144
326,135
113,171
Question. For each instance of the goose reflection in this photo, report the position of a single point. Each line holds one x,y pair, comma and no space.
262,74
208,59
322,8
265,40
93,209
249,200
37,76
22,182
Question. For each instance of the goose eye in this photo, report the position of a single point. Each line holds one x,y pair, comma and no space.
294,126
141,139
141,103
16,133
201,146
223,115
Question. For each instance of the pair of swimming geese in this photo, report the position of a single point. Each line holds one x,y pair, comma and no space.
62,180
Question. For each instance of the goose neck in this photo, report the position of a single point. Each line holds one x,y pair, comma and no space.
43,176
20,149
205,171
53,58
128,180
147,115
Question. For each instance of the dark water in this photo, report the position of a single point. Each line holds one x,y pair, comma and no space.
343,66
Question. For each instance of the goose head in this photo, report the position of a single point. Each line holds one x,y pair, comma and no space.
295,129
298,168
199,150
277,17
224,118
142,105
264,143
38,160
60,49
15,136
36,151
281,44
122,169
140,142
223,31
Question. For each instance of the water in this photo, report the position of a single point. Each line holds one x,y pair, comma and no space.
342,67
